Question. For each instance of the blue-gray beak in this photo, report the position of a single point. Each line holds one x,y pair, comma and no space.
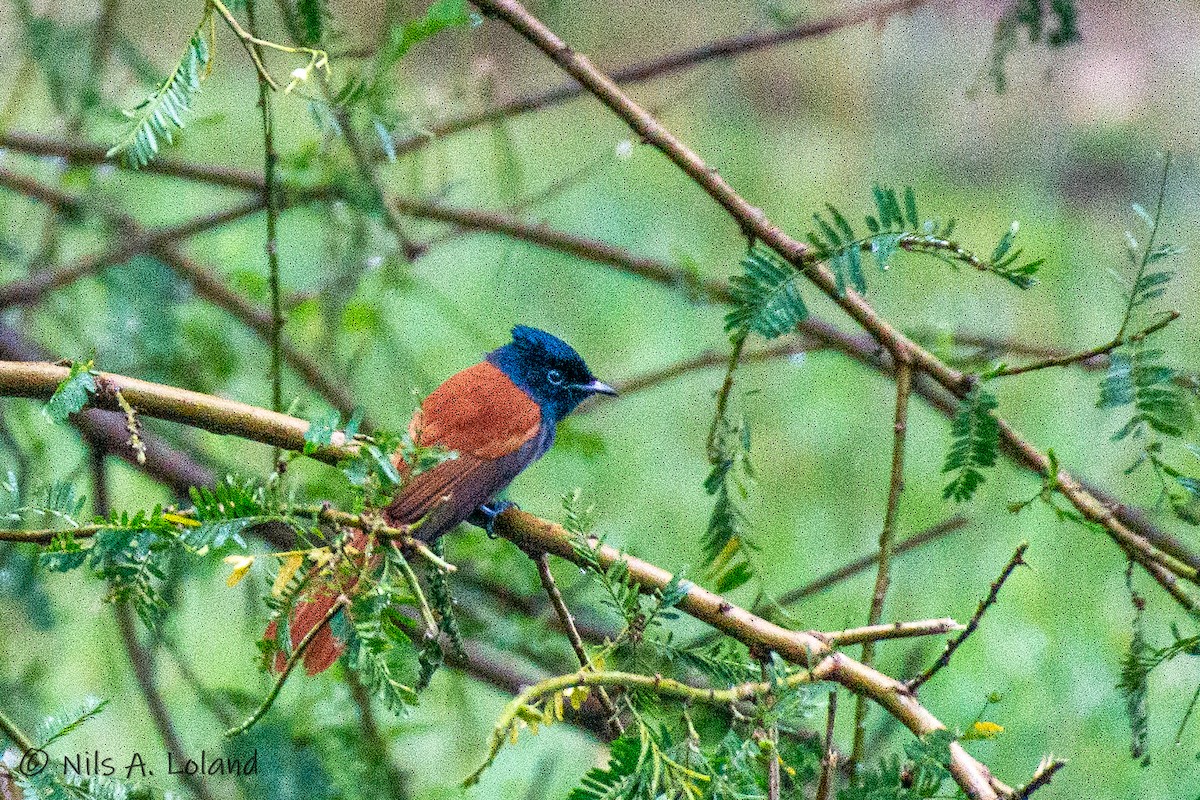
597,387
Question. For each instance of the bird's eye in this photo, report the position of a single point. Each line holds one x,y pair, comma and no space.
555,377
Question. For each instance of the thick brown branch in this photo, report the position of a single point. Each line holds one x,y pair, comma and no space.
39,380
163,463
799,647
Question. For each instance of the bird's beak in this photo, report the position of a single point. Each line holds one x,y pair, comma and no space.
598,387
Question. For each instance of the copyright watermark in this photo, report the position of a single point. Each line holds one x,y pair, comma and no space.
33,763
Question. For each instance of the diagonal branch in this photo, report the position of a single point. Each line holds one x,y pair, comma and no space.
756,226
1018,558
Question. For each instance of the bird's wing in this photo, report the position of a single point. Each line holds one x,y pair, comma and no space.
478,412
493,426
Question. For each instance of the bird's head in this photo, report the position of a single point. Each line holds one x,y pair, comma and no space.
548,370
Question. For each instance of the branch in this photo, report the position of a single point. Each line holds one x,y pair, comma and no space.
139,240
163,244
891,630
94,154
926,536
292,661
568,622
827,785
1087,355
1016,560
163,463
883,575
572,244
756,226
271,195
1045,771
39,380
15,734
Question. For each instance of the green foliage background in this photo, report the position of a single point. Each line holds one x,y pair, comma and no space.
1064,150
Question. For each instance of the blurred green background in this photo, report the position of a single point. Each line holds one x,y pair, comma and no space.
1073,140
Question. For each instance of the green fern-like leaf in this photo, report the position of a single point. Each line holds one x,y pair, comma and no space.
618,780
728,537
1134,686
63,724
896,224
766,297
1139,378
157,119
976,441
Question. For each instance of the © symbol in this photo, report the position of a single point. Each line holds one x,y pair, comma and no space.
33,762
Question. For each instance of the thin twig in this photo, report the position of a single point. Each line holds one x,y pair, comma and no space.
86,153
663,66
771,737
414,586
15,734
568,623
271,193
827,786
294,659
883,577
1102,350
931,534
891,630
1016,560
1045,771
580,246
34,288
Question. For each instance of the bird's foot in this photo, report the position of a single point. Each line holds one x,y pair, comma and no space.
485,516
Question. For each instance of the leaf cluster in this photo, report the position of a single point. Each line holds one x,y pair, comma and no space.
898,225
160,117
727,541
975,443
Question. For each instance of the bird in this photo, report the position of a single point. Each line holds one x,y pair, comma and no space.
496,418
